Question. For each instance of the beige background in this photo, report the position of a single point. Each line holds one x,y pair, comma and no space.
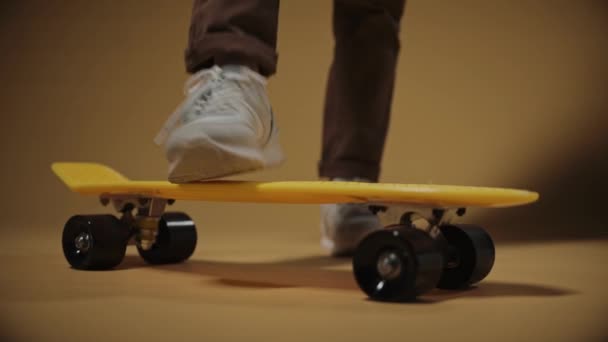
488,93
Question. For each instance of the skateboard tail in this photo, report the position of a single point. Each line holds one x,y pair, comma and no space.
81,176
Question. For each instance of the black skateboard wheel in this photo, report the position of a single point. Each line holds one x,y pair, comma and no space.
94,242
397,264
470,256
175,240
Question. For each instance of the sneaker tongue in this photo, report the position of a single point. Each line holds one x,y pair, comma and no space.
238,72
355,179
232,68
242,72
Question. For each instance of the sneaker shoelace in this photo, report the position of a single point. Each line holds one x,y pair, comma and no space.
212,81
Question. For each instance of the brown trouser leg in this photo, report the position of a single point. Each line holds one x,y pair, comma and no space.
233,32
361,79
360,87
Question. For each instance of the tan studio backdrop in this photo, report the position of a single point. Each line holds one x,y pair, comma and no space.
488,93
495,94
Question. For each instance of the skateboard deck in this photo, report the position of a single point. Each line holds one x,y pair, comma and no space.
98,179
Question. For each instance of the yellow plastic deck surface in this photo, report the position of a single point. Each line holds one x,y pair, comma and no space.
97,179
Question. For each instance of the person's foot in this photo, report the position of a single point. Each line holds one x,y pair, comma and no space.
225,126
344,225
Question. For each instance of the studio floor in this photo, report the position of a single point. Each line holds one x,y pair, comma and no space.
256,289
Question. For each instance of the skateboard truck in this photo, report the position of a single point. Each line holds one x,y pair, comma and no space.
426,219
146,220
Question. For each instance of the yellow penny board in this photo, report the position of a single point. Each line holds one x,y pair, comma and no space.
98,179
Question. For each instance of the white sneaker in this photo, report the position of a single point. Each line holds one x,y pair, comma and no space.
225,126
344,225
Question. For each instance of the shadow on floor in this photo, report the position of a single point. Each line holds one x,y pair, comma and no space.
312,272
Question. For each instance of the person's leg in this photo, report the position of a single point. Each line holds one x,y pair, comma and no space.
360,87
357,109
225,125
242,32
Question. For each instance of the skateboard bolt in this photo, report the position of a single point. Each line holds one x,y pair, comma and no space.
389,265
82,242
146,233
146,238
146,244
